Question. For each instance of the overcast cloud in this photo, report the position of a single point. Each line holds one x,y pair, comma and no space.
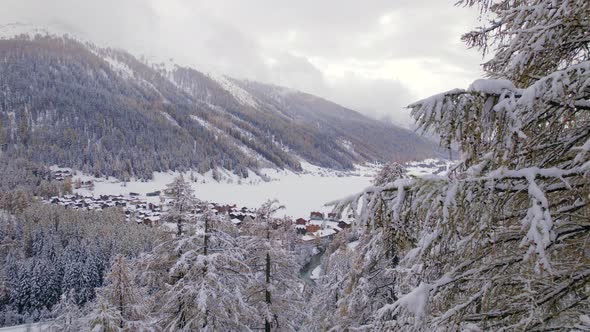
373,56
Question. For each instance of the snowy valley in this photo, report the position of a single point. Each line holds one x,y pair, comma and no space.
137,196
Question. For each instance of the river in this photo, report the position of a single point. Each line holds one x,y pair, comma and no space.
314,261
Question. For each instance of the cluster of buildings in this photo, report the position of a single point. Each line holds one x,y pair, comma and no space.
143,212
236,215
134,208
61,175
320,226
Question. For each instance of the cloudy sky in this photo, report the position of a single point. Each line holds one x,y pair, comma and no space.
374,56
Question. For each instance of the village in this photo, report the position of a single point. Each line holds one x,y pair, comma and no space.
149,209
318,226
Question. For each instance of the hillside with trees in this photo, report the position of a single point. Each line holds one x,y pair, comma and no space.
498,242
105,112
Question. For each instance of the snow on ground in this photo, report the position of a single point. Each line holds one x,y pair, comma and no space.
316,273
37,327
301,193
119,67
237,92
427,167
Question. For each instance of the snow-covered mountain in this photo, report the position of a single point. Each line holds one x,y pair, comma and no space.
68,102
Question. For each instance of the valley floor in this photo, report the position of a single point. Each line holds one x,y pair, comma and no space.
300,193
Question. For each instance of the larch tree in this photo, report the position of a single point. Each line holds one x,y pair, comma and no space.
121,300
67,314
501,242
183,202
336,264
207,279
274,289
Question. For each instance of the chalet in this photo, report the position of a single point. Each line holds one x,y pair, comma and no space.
312,228
151,220
316,216
344,224
153,194
301,221
225,208
325,236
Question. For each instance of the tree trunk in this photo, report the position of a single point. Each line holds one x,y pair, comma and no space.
205,248
268,298
267,270
179,226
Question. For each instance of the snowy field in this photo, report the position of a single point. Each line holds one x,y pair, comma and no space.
301,193
37,327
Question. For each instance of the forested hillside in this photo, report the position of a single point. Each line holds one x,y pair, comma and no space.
105,112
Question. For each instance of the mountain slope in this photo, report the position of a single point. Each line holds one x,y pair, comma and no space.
74,104
366,138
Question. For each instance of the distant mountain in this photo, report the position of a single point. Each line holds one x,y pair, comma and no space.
71,103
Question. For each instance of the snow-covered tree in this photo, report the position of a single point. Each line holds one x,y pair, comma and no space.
274,290
203,289
104,317
337,262
67,314
183,202
36,268
121,298
390,172
357,283
501,242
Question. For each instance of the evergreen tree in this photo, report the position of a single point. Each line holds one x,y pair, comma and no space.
207,281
